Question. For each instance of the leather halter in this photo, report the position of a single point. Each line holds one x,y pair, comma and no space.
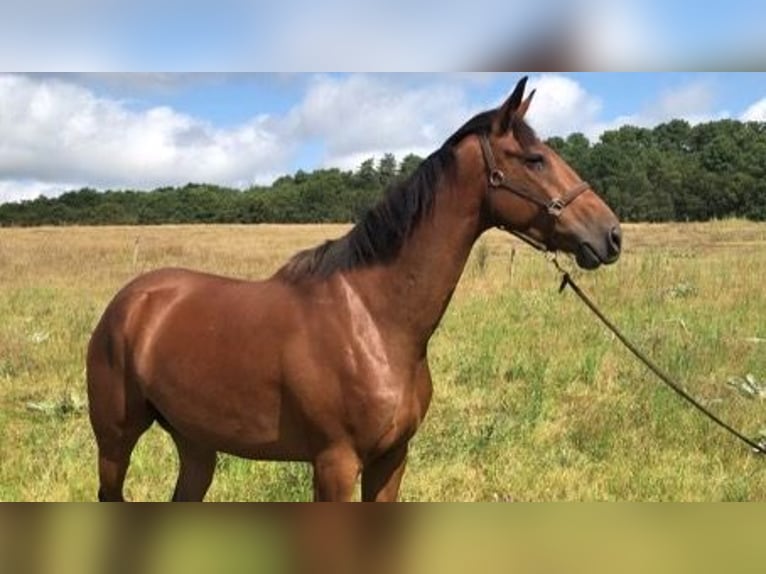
553,207
498,180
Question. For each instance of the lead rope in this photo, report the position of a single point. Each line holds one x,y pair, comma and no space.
567,281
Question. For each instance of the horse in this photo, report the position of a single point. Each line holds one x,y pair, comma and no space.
326,362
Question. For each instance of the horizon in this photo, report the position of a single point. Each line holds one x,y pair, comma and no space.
143,131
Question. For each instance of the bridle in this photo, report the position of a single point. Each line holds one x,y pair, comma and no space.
553,207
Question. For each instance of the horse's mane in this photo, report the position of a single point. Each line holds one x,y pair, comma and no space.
379,235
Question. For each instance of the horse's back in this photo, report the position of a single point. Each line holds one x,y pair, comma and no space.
138,305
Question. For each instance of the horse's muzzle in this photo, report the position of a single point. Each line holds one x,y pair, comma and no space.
590,256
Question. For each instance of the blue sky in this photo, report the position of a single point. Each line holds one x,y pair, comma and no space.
144,130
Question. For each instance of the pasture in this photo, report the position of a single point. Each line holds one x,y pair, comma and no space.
533,399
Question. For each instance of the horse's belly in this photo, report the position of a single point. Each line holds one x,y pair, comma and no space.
224,396
225,417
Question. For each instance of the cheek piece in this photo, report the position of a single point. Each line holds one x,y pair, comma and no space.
497,180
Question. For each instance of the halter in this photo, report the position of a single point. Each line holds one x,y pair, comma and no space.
553,207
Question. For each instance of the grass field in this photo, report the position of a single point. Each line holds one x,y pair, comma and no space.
533,399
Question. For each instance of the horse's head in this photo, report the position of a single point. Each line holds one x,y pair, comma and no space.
534,193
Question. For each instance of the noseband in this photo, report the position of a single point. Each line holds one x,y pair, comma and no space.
553,207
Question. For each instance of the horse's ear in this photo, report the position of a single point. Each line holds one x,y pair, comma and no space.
510,107
524,107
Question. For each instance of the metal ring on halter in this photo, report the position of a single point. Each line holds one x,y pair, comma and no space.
555,207
496,178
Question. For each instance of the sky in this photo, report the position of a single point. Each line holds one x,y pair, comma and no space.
145,130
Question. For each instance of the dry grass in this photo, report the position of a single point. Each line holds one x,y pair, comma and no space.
533,399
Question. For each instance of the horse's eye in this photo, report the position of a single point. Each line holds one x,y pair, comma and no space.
535,162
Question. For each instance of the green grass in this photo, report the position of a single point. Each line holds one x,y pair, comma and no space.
533,399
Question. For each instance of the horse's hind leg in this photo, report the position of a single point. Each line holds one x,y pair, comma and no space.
113,460
119,415
196,470
116,436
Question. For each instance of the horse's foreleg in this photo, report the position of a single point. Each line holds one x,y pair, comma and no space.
335,474
383,476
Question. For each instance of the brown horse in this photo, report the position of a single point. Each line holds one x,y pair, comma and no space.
326,362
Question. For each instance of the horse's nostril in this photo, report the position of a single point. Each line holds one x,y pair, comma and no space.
615,239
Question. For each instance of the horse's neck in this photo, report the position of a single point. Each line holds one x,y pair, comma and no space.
412,292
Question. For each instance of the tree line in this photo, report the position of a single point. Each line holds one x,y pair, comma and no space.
673,172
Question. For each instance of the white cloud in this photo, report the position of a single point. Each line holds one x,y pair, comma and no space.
693,102
562,106
691,99
54,131
756,112
359,116
19,190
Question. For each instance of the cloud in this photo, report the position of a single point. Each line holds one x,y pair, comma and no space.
694,102
57,135
562,106
359,116
55,131
756,112
692,98
19,190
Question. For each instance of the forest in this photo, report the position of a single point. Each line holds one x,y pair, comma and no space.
673,172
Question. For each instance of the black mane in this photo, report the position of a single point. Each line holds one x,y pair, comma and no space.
380,234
